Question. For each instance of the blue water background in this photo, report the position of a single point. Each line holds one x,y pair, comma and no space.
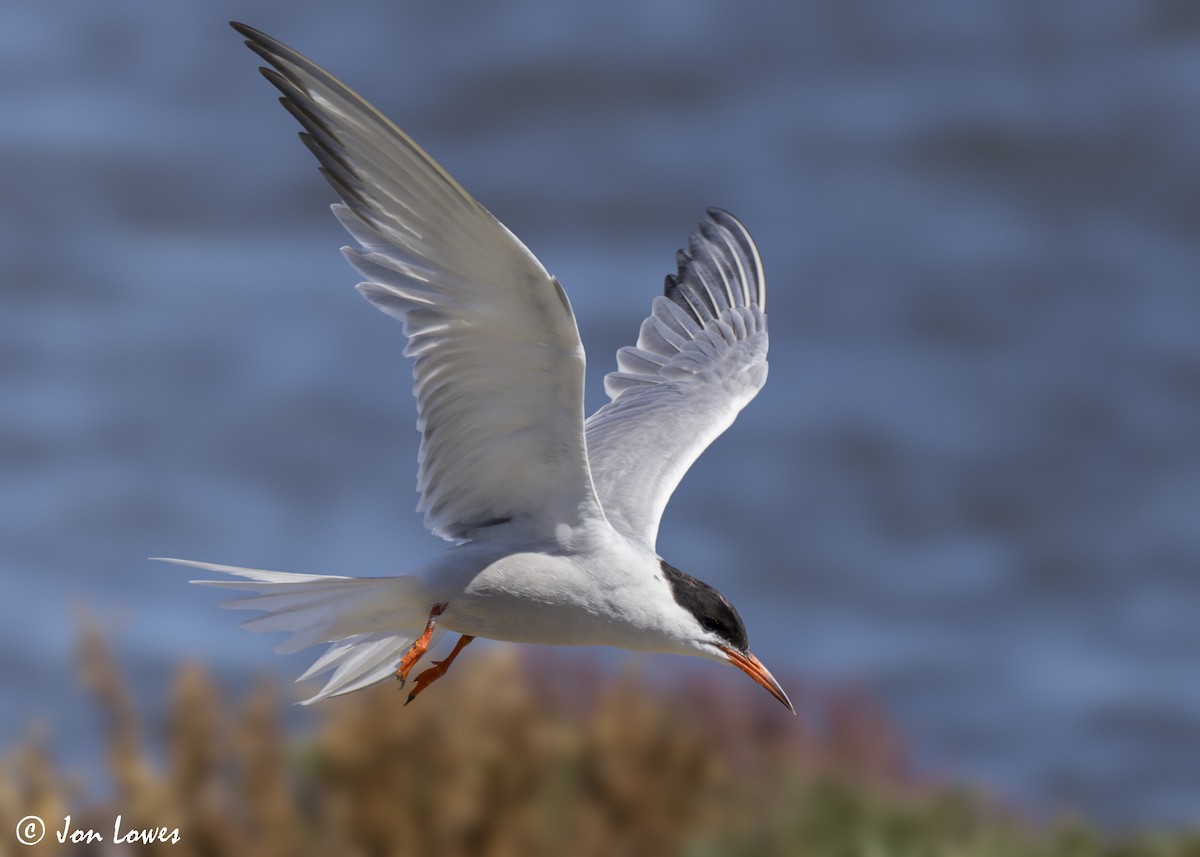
971,485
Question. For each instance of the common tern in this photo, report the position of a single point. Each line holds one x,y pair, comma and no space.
554,517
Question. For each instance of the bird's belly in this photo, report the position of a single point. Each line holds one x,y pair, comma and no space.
539,598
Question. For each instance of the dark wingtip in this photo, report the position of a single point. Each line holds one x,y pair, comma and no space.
266,47
725,220
245,30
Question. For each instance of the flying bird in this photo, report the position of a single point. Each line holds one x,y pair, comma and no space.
554,517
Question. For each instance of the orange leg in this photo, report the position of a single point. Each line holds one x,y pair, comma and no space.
418,648
438,669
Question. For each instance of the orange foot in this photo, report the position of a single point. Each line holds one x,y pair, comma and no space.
418,648
438,669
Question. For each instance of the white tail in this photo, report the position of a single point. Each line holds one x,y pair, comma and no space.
371,621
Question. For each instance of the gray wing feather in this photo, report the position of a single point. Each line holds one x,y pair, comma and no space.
700,357
498,372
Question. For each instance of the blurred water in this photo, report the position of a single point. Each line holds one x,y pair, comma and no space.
970,486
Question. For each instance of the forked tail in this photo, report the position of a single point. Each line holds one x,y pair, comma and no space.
371,621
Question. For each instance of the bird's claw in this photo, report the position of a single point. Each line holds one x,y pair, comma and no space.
437,669
424,680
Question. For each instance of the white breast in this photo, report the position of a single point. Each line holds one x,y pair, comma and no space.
611,595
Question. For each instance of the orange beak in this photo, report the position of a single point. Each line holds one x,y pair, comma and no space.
753,667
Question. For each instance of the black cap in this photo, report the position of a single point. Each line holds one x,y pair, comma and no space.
710,608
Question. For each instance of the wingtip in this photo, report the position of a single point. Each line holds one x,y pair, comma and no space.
719,214
722,227
719,244
244,30
724,220
268,49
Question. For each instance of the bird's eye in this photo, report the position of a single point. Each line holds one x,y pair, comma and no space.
708,623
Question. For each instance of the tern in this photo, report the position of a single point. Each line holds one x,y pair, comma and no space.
554,517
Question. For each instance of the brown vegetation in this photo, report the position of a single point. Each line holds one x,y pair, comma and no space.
503,760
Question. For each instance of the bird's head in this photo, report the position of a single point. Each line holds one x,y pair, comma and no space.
714,630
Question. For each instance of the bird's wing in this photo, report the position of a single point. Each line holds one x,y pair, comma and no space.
498,373
700,357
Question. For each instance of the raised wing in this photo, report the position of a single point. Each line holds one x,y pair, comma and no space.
700,357
498,375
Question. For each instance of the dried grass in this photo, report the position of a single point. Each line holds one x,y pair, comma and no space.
501,760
